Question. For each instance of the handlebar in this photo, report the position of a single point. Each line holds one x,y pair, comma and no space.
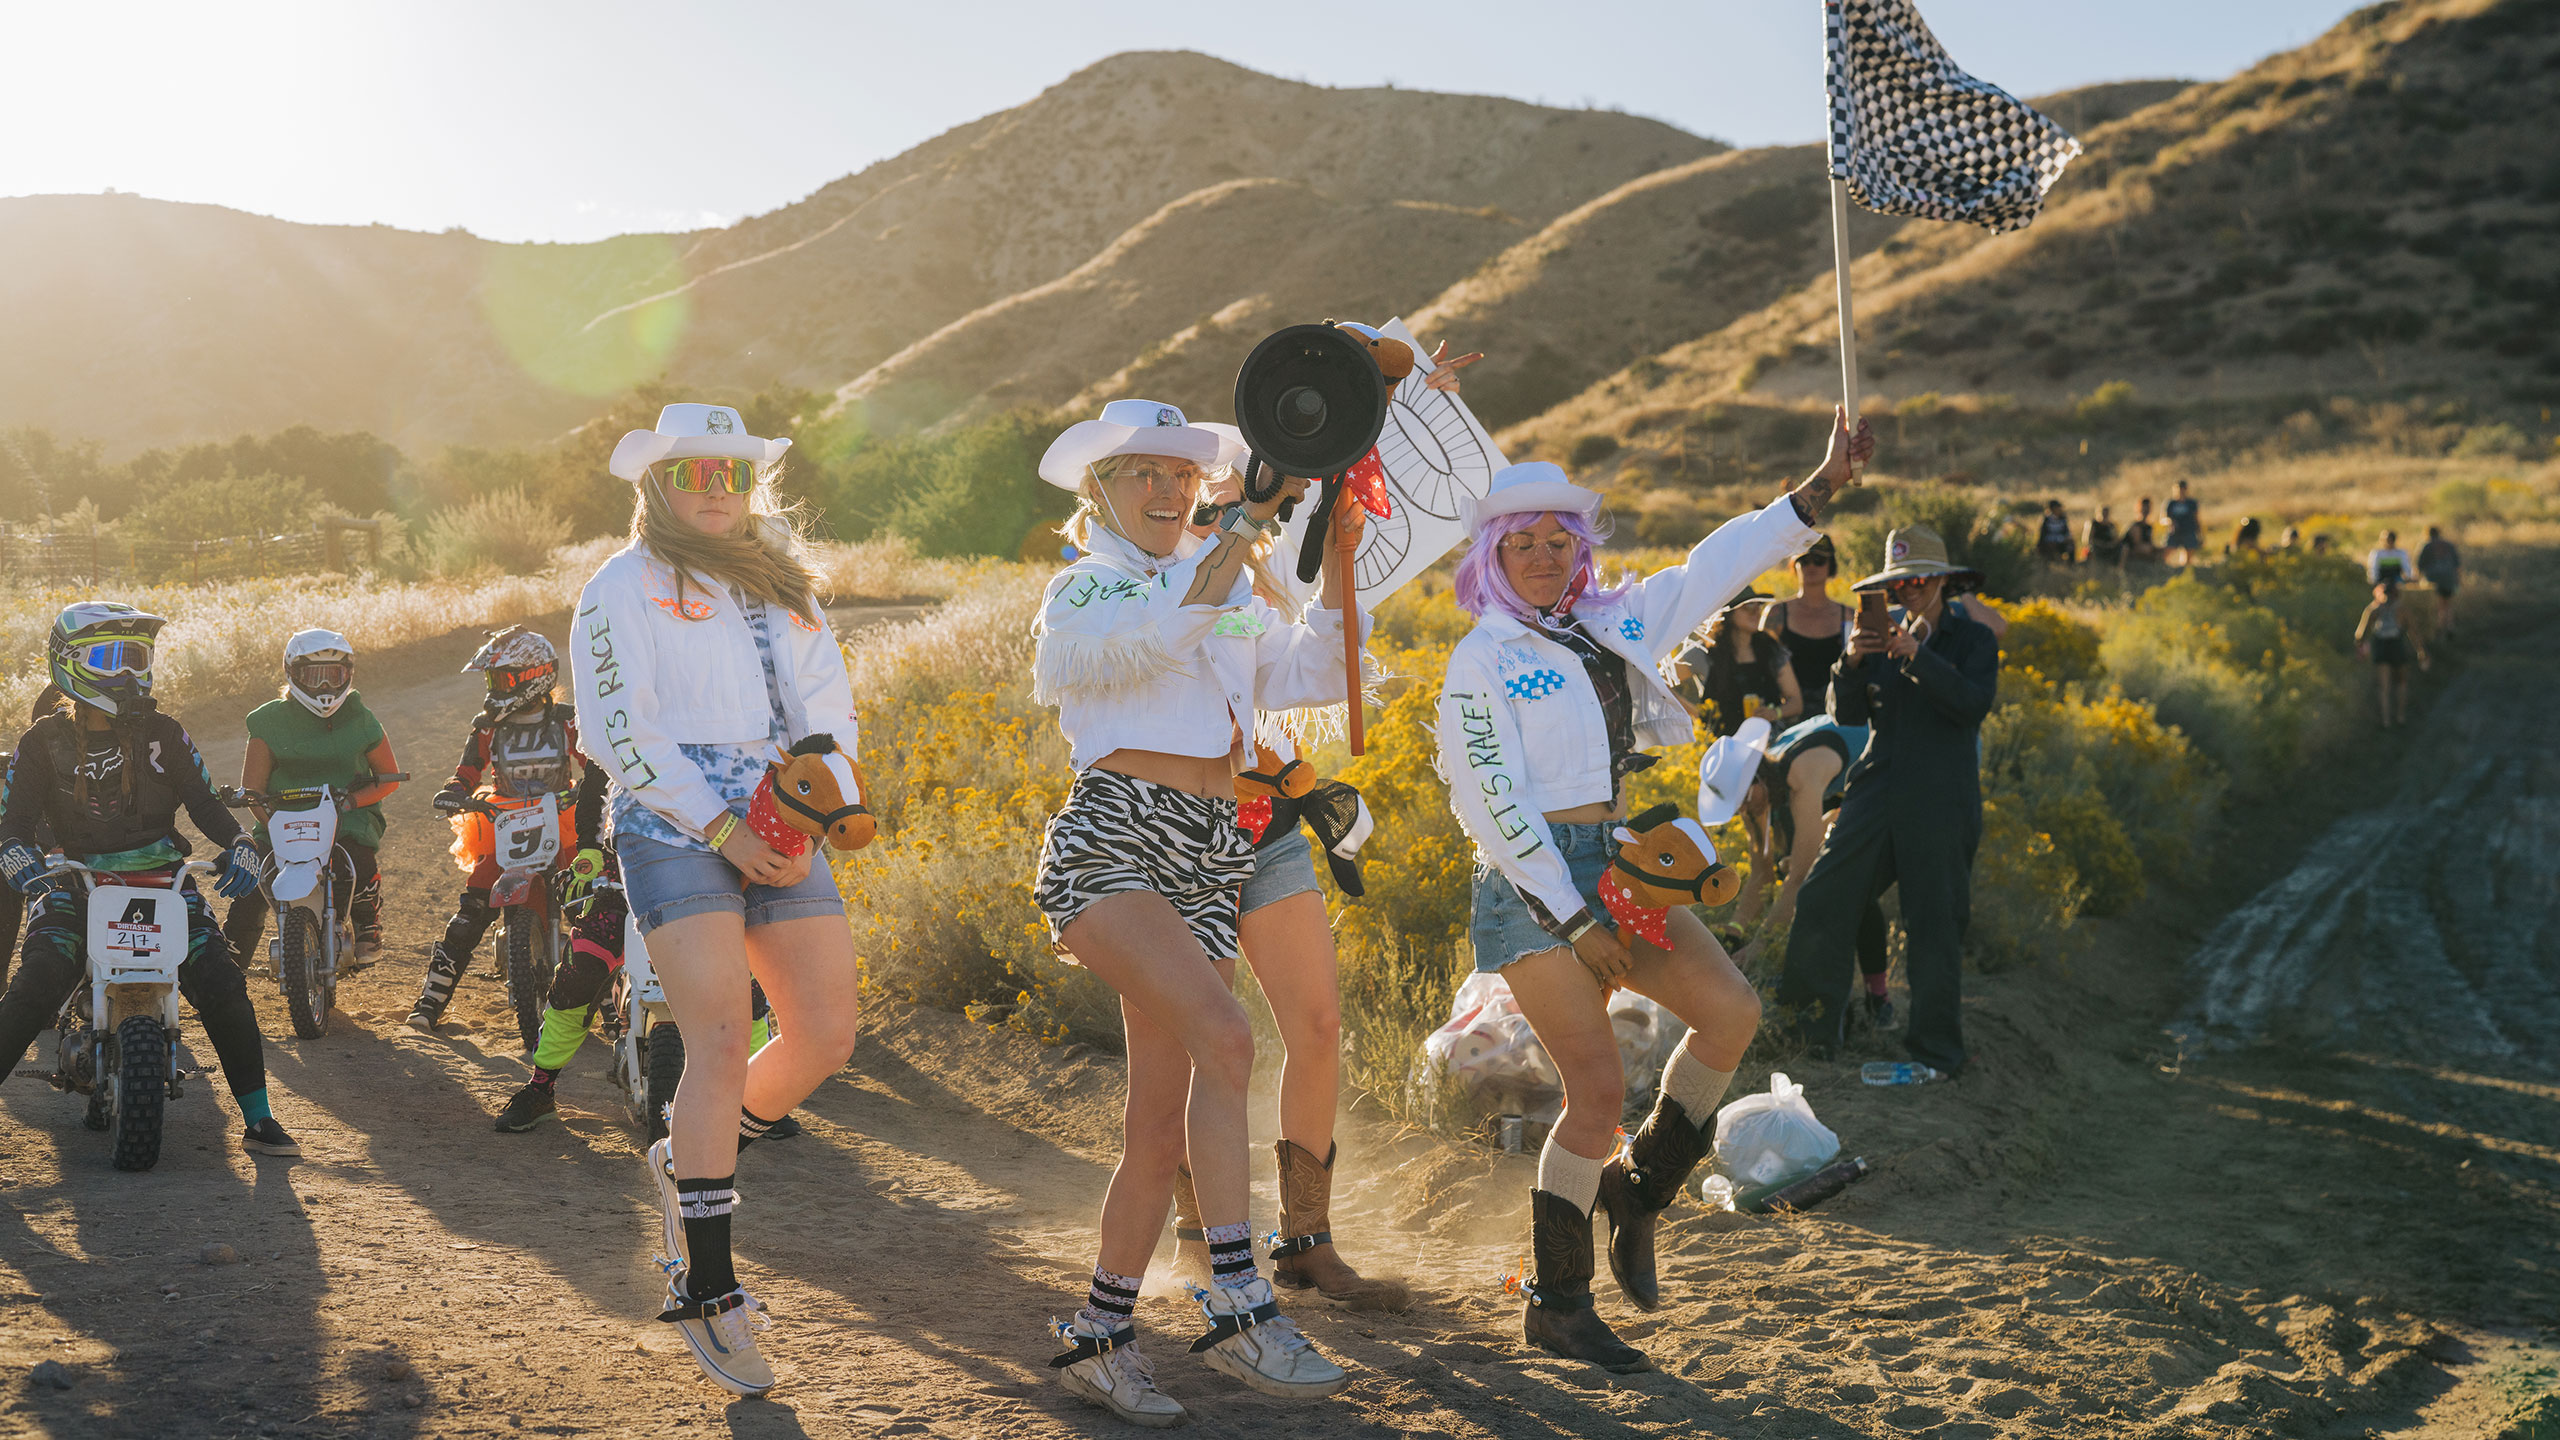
238,798
187,869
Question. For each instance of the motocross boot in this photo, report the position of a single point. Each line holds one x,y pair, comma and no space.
1636,1187
1559,1316
1304,1258
444,971
528,1107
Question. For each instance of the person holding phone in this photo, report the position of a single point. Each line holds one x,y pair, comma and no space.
1921,676
1547,706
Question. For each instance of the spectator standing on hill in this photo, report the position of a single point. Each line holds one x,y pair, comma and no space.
1737,670
2387,561
2244,541
2383,636
2140,543
2441,564
2292,538
2104,545
2053,535
1912,811
2186,527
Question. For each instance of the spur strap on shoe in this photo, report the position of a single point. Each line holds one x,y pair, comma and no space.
1179,1233
1089,1346
706,1309
1282,1249
1561,1303
1226,1327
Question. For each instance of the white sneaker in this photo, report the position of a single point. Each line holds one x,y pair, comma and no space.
1251,1340
1104,1366
675,1260
722,1335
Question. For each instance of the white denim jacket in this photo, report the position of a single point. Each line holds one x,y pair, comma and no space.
652,672
1521,732
1130,667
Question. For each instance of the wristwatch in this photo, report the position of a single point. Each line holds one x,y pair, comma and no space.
1581,926
1239,521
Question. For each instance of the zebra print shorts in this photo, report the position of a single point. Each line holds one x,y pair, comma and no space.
1117,832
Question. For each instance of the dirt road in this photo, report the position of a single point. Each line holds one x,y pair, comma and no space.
2095,1233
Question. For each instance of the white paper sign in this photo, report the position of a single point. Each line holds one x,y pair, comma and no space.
1437,456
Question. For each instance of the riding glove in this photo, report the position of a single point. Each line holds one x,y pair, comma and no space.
239,875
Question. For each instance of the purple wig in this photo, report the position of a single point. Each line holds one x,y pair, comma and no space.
1482,586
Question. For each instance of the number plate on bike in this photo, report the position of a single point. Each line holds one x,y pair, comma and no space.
137,935
529,838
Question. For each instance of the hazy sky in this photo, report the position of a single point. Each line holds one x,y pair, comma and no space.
571,119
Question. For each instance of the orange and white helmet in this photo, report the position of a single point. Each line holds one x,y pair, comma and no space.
522,668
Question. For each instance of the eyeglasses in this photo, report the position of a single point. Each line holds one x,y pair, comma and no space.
1152,476
116,657
696,474
1523,545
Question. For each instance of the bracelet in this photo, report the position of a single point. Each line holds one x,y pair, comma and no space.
1574,932
720,832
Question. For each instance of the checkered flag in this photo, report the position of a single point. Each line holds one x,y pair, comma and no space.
1913,135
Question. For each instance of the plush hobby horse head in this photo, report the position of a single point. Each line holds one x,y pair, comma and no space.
1286,793
814,793
1664,859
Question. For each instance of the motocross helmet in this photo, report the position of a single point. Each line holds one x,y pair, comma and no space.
319,670
100,655
522,669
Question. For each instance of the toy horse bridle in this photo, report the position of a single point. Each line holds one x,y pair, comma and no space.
1695,885
825,819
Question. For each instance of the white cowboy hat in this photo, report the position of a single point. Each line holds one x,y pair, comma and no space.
1532,488
690,429
1130,427
1726,771
1231,446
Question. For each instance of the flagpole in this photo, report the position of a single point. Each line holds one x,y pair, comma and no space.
1848,322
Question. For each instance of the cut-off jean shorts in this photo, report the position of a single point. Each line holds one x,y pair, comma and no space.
1500,924
665,883
1281,869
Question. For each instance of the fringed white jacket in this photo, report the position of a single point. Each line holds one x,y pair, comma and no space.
1130,667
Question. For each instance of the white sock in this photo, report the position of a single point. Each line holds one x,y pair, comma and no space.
1699,1089
1568,1176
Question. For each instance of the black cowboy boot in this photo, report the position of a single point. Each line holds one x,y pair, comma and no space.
1559,1316
1636,1187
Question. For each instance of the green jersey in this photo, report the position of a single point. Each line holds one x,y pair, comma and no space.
309,750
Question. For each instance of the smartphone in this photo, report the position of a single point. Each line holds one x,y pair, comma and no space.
1872,613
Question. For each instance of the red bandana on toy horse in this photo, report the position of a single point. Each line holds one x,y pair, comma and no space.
815,792
1270,778
1664,859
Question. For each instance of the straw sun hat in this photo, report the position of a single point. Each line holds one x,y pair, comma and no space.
1914,553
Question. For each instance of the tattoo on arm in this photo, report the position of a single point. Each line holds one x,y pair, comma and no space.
1213,580
1812,496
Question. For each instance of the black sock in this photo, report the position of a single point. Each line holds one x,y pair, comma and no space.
705,1205
544,1077
751,1127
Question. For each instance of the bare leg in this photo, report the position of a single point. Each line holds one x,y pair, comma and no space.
1290,946
1569,1012
1151,1144
1697,982
814,984
702,962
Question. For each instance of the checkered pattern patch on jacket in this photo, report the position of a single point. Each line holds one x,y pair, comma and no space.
1914,135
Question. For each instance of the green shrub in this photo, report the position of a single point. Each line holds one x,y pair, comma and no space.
1591,450
973,490
2251,691
2024,894
2049,641
1977,536
502,531
227,505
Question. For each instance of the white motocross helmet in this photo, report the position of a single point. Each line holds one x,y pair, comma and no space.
319,670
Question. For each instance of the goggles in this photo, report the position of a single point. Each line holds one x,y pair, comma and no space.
323,675
516,676
696,474
116,657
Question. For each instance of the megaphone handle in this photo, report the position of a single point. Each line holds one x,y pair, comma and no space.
1347,560
1319,525
1254,470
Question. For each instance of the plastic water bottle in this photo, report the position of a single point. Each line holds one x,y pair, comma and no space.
1897,1072
1716,1191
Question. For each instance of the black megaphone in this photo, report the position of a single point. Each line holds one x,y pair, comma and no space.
1310,402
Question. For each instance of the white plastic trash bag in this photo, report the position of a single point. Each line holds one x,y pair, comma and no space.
1767,1140
1488,1048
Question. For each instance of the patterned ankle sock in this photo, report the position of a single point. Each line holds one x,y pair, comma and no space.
751,1127
705,1205
1698,1088
1231,1255
1112,1301
544,1077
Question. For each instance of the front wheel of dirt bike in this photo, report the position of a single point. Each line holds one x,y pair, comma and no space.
666,1069
524,971
299,963
138,1068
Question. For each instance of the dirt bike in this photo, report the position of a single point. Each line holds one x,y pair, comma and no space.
313,932
525,842
117,1036
648,1049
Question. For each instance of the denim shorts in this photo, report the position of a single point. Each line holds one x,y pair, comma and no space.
1501,925
1285,867
664,883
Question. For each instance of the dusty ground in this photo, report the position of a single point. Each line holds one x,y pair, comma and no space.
2100,1231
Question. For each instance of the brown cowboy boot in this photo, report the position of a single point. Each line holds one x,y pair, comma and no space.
1559,1316
1304,1258
1190,1233
1636,1188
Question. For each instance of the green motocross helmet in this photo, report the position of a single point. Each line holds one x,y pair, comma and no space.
100,654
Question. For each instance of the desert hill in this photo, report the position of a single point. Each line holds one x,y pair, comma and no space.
142,322
2370,212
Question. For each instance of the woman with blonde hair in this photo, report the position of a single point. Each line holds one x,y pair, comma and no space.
698,649
1160,661
1546,709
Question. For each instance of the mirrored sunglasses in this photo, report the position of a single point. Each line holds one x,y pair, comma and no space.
696,474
